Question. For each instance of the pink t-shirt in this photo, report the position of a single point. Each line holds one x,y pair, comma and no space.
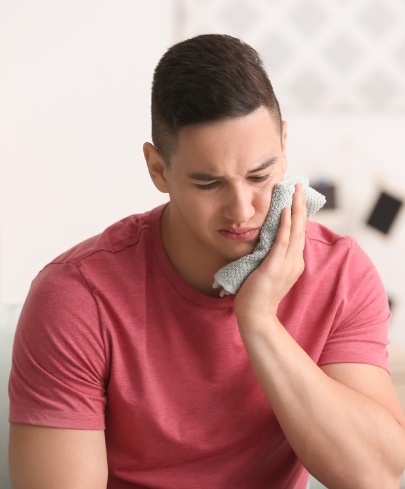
110,337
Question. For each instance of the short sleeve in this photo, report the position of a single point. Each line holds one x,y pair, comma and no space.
360,331
58,373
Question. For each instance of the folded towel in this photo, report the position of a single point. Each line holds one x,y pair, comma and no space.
232,276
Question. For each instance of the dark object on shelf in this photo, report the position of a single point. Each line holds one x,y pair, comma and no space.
329,191
384,212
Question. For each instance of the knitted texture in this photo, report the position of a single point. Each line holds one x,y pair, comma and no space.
232,276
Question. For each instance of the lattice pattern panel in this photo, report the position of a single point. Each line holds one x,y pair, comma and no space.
344,55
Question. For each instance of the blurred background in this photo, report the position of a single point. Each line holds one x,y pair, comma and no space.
75,82
74,112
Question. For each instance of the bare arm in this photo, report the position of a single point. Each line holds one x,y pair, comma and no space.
343,421
48,458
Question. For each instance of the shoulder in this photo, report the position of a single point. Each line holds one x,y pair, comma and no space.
339,262
73,276
324,241
323,245
324,236
118,237
345,298
337,256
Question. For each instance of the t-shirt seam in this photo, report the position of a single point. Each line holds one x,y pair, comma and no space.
54,412
78,262
343,238
348,350
185,296
345,266
100,322
161,256
178,288
91,290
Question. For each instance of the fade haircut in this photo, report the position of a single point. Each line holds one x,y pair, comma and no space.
207,78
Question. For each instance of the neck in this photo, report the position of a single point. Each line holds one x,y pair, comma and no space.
194,263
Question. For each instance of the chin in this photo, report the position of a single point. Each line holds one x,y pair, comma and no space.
242,251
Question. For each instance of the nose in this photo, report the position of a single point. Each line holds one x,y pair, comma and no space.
239,206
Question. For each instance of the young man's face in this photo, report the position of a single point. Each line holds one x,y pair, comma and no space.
220,182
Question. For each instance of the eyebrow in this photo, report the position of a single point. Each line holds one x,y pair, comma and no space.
208,177
266,164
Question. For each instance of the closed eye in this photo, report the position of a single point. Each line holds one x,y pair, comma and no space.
216,183
259,178
207,186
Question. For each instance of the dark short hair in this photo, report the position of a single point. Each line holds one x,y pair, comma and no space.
204,79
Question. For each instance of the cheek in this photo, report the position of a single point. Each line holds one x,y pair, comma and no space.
198,207
263,198
267,190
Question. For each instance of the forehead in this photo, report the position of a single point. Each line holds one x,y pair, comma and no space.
243,141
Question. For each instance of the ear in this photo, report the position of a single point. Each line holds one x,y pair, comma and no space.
156,166
284,144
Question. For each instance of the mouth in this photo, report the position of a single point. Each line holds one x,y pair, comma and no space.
240,234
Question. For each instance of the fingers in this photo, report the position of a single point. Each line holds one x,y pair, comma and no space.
298,220
291,233
290,240
282,241
282,267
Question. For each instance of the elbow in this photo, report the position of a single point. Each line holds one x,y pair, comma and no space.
387,473
390,482
369,478
383,480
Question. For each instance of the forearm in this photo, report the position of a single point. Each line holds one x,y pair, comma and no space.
344,438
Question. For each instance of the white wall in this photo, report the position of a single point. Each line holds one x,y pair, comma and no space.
74,112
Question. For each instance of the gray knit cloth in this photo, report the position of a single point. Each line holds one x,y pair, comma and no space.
232,276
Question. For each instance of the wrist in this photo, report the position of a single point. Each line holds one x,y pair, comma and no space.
258,324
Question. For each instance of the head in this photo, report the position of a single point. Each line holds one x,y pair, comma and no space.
218,148
207,78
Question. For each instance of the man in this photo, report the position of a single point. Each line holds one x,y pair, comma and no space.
129,370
